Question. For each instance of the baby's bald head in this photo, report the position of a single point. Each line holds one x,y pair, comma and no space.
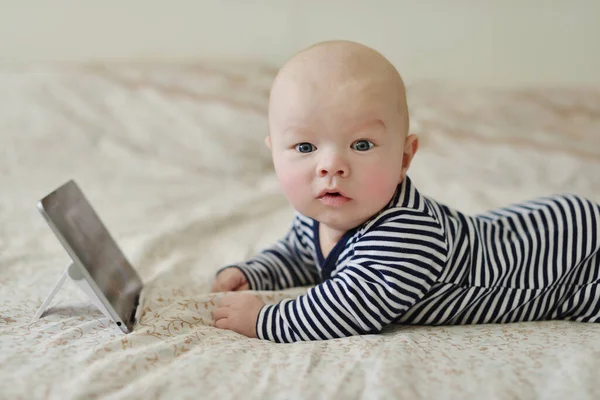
346,69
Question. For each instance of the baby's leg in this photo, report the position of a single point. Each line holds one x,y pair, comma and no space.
582,303
582,306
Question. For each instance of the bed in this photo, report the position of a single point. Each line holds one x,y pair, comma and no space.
172,157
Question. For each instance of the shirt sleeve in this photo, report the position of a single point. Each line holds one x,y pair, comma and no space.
392,267
288,263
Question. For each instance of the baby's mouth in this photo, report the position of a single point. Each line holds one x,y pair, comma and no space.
333,199
332,195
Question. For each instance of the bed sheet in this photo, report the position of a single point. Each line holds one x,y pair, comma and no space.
172,157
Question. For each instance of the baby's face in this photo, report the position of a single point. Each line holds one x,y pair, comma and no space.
337,148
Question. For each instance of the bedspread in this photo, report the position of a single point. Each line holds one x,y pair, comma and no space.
172,157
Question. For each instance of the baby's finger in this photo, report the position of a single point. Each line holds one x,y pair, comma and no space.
218,286
222,323
228,286
220,313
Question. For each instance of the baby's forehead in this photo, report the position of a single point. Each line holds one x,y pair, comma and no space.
345,118
344,97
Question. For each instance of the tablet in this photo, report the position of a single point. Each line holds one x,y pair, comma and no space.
94,253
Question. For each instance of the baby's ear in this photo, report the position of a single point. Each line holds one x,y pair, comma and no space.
410,149
268,141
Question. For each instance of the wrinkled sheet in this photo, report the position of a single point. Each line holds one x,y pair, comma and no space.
172,157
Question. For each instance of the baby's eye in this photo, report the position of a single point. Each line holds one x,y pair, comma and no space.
305,147
362,145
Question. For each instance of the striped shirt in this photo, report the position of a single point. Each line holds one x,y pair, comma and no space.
420,262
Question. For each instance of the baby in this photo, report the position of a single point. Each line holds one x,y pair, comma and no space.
372,248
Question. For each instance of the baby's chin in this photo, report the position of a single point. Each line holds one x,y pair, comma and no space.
339,221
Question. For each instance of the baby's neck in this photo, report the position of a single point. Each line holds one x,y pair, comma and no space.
330,234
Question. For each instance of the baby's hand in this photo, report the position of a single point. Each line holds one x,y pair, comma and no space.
229,280
238,312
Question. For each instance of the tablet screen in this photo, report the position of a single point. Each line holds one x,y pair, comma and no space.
89,243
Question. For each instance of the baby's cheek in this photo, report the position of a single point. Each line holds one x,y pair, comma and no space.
294,184
379,184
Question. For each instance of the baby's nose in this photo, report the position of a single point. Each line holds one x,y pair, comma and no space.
341,172
333,166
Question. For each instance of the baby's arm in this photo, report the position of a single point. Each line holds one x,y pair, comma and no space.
392,268
288,263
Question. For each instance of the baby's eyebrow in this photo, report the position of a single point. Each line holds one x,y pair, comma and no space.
295,130
378,121
372,123
301,131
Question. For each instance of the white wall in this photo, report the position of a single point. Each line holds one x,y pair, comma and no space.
494,42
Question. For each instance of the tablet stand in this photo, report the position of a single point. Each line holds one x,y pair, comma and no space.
73,272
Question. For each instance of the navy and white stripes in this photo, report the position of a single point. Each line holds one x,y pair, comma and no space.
537,260
420,262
